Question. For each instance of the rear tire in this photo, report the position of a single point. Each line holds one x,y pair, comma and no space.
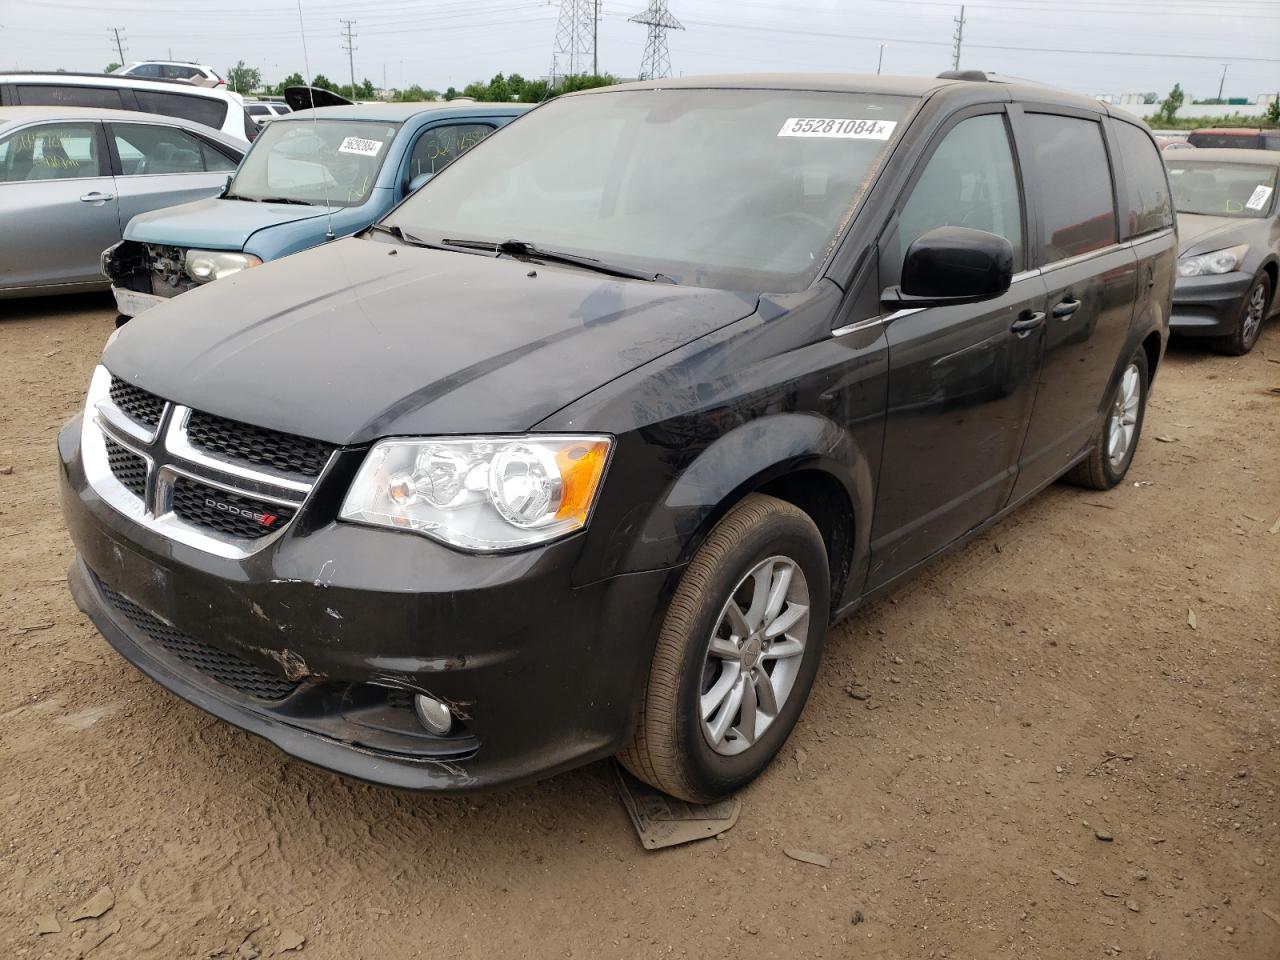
1117,440
122,319
766,545
1249,323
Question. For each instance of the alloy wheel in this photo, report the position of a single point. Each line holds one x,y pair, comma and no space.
1123,422
754,655
1254,310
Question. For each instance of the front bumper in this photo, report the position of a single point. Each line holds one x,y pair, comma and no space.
1209,306
544,675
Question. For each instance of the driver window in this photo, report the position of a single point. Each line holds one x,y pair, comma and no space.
440,146
970,181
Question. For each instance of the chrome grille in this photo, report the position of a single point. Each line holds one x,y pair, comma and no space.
127,467
257,445
136,403
230,493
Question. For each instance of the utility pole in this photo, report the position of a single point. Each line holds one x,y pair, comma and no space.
350,47
595,40
119,44
1223,81
880,62
959,40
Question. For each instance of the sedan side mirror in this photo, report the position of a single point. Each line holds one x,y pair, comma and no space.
952,265
417,182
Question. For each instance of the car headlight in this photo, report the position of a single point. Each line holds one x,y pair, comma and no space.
481,493
1219,261
205,265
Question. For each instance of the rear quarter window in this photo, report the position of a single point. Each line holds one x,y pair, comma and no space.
1146,184
209,111
60,95
1077,200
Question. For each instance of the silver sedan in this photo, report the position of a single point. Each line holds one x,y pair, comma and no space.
72,178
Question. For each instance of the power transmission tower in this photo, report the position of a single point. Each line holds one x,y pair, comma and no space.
350,47
119,43
656,61
575,39
958,37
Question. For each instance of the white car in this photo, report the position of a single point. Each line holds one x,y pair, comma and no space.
215,107
196,73
264,111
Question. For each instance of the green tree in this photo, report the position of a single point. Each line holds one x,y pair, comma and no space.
1272,116
497,90
113,66
534,91
242,79
292,80
1169,106
476,91
451,94
585,81
365,91
324,83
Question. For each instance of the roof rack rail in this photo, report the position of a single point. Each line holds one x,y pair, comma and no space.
975,75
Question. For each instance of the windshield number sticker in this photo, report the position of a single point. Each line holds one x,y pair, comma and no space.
1259,199
360,146
837,129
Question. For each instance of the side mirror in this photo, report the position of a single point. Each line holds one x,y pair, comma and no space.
226,186
417,182
952,265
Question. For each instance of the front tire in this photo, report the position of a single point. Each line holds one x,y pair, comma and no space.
1113,449
736,655
1249,326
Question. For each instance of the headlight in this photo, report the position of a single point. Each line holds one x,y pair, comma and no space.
205,265
1220,261
481,493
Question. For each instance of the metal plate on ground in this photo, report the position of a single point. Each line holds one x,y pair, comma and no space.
663,821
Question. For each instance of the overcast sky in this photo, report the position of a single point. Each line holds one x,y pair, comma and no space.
1091,46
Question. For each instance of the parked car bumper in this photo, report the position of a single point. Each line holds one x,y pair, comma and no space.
541,675
1209,306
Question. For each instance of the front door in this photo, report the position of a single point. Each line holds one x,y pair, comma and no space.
961,378
57,193
1091,281
162,165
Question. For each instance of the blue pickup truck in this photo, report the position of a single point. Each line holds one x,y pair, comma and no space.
310,176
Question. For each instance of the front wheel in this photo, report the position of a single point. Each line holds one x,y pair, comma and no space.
1113,449
1249,326
737,653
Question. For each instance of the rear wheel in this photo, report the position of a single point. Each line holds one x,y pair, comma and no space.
1115,445
737,653
1249,326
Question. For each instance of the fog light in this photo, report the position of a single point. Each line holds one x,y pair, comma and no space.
433,715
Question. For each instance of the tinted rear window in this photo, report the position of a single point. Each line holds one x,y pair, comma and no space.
1076,199
206,110
1147,186
59,95
1243,141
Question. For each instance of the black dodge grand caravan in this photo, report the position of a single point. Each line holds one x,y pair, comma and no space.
583,448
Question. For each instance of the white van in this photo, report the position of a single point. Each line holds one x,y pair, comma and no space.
213,107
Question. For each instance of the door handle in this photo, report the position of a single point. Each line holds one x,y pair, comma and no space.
1027,322
1065,309
96,197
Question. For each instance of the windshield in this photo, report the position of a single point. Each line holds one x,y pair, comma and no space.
314,161
739,189
1221,189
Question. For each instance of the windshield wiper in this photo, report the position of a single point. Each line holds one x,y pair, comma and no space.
522,249
305,203
408,238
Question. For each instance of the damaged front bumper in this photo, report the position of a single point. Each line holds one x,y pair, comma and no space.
318,641
144,275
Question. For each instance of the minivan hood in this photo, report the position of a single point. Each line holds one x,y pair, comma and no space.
361,339
1199,233
214,223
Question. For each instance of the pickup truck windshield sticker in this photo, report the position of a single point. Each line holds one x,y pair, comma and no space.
837,129
360,146
1259,199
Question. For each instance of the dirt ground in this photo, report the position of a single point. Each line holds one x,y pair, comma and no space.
1053,760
